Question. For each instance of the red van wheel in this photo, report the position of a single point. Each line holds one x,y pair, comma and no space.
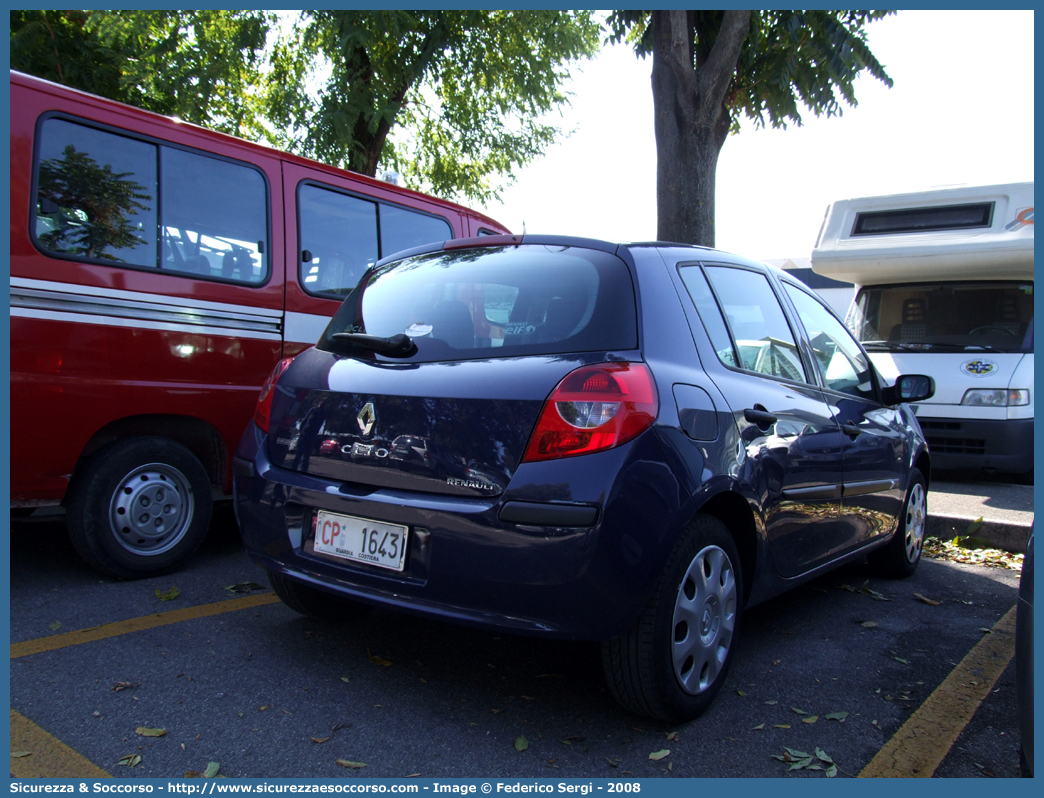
139,507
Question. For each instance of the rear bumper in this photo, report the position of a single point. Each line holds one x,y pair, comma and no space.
463,562
976,444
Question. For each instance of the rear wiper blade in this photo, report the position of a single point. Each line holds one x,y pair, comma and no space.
889,346
400,345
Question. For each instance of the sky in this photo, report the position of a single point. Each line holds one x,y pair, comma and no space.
960,112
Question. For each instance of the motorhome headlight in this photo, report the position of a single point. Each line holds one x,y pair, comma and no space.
996,397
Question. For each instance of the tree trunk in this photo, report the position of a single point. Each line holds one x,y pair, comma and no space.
691,121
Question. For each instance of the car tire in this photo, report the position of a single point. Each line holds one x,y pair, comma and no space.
674,660
316,603
898,558
161,480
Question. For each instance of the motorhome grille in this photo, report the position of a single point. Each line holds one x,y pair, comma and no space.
950,425
956,445
919,220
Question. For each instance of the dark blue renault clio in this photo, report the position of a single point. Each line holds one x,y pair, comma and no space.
566,437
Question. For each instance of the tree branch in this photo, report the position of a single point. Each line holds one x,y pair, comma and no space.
717,72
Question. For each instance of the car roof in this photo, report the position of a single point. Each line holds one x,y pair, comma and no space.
693,251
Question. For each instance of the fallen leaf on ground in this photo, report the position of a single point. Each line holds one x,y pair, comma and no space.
759,727
345,763
212,770
266,706
244,587
781,726
656,756
926,600
320,740
672,736
799,711
838,716
810,719
962,550
147,732
117,686
521,744
54,626
131,760
172,593
378,660
868,624
20,754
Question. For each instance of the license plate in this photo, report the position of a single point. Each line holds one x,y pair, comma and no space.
361,540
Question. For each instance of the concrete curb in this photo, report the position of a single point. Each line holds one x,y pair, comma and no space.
1004,535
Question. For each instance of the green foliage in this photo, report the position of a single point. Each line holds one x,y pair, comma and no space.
788,58
447,98
201,66
453,100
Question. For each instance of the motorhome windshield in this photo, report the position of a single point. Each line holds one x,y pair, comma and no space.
991,316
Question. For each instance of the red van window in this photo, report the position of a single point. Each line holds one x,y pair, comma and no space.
342,236
117,200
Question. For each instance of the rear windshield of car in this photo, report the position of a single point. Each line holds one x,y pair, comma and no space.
494,302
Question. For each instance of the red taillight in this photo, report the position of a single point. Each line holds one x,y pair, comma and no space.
263,411
594,408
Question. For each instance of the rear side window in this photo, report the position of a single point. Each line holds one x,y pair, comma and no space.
343,235
710,313
764,340
117,200
496,301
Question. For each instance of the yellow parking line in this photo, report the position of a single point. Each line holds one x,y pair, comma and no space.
922,743
42,756
42,644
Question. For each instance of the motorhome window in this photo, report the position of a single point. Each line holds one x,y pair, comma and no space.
944,316
844,366
214,217
709,312
920,220
96,195
337,238
404,229
759,327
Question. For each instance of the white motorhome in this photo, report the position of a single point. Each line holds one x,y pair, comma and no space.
944,287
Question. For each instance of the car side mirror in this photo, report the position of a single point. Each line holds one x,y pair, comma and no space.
910,388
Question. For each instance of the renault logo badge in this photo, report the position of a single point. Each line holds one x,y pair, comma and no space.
367,418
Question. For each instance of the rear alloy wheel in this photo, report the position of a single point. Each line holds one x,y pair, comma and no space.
316,603
674,660
139,507
899,557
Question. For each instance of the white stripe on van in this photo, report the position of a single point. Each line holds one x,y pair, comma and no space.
80,304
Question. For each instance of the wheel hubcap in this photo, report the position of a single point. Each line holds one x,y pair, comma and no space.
151,509
704,619
916,513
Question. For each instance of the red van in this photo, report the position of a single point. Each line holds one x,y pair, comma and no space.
159,271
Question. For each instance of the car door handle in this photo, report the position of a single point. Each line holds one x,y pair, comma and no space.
759,416
851,430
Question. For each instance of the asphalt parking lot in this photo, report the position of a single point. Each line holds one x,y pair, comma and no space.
233,677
